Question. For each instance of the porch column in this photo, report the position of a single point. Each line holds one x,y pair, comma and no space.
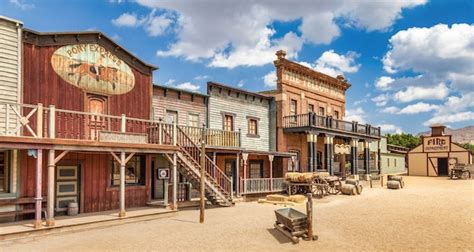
367,158
51,187
379,162
328,153
214,159
237,168
354,143
270,158
245,157
39,168
122,184
312,139
174,203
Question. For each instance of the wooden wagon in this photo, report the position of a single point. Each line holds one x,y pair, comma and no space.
294,224
461,171
318,183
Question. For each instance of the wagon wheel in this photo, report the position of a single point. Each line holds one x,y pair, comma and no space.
465,175
334,187
317,190
292,189
322,186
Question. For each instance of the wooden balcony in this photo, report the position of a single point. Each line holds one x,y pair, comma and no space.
327,124
214,137
36,122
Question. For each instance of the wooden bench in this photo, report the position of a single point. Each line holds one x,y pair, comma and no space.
20,201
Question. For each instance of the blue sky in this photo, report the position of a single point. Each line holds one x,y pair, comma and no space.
410,62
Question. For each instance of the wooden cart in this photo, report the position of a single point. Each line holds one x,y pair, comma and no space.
461,171
315,183
293,224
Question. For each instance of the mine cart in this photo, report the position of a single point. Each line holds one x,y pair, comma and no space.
461,171
318,183
295,224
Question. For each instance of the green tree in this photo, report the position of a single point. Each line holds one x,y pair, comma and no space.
468,146
404,140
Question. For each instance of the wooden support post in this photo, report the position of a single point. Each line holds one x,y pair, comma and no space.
202,204
122,184
237,173
39,121
174,203
52,122
39,169
214,159
245,156
123,124
270,159
51,187
175,133
309,215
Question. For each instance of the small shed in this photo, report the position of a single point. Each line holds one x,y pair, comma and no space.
437,154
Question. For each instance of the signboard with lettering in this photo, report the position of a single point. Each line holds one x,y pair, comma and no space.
121,137
93,68
436,144
312,84
342,149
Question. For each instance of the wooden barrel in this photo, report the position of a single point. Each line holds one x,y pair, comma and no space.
394,177
359,189
393,184
72,209
352,182
348,189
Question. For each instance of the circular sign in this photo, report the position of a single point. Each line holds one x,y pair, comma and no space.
163,174
93,68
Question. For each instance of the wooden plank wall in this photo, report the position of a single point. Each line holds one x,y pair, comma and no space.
43,85
96,192
183,104
9,67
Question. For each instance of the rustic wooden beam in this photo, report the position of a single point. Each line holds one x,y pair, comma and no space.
60,156
51,172
122,185
39,179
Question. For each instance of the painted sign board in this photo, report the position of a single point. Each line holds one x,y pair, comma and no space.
342,149
93,68
312,84
120,137
163,173
436,144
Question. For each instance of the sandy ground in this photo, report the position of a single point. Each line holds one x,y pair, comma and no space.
433,214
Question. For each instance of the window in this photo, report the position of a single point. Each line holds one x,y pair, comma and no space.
193,120
310,108
3,172
256,169
321,111
228,123
134,171
293,109
253,127
171,116
395,162
388,162
336,114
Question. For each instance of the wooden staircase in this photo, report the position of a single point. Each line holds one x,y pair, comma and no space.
218,187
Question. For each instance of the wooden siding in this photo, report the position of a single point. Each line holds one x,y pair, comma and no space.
242,106
96,194
9,68
183,103
43,85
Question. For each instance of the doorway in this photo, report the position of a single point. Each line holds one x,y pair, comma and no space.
442,167
230,170
67,186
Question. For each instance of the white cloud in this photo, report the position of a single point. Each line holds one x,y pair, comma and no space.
357,114
381,100
241,83
188,86
384,82
201,77
155,25
451,118
440,53
126,19
390,110
390,128
419,107
422,93
334,64
170,82
238,33
270,79
22,4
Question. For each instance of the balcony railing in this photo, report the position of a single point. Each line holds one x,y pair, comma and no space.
213,137
37,121
261,185
327,122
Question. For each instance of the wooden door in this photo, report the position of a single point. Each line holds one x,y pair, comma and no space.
96,105
231,170
67,186
442,167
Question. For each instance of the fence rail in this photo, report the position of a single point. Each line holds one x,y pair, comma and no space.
261,185
213,137
327,122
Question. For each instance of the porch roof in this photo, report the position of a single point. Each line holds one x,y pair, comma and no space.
274,153
12,142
